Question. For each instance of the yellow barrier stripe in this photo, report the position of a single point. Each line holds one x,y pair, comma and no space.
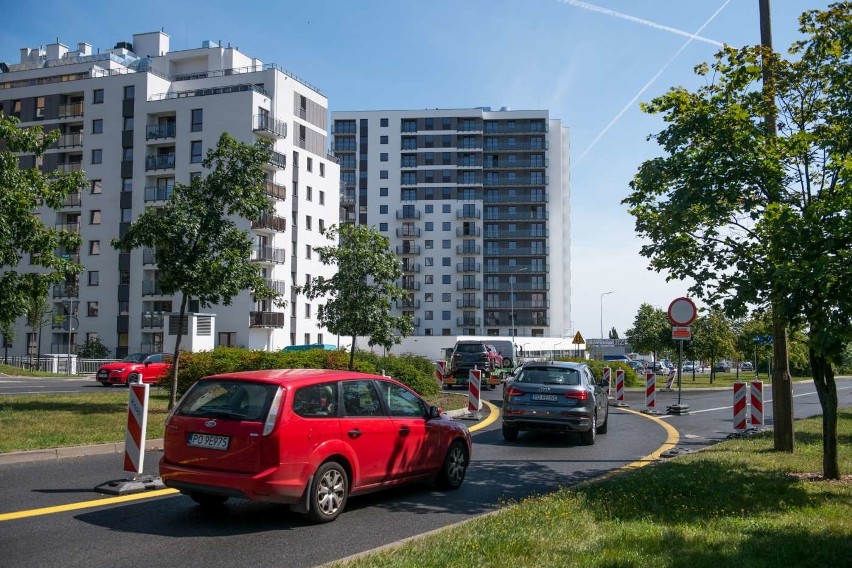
85,504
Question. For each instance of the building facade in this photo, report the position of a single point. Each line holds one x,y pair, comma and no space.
139,118
476,204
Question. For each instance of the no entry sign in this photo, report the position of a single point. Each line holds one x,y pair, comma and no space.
682,312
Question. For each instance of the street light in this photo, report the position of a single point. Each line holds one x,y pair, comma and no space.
512,303
602,297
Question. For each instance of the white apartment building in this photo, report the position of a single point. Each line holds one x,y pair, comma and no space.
139,118
476,204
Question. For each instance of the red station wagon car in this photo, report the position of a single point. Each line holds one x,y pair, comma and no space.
308,438
136,368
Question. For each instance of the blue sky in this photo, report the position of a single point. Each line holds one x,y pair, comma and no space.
583,61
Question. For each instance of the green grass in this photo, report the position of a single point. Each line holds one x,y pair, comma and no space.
738,503
702,380
19,372
34,422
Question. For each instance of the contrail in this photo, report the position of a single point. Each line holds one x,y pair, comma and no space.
630,104
608,12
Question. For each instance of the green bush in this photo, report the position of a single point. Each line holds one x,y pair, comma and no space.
630,377
415,371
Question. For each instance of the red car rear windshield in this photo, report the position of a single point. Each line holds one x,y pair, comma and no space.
237,400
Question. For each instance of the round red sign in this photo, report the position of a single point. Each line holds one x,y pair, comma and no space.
682,311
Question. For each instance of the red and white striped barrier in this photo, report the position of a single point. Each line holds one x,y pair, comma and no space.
650,391
474,382
619,385
137,424
757,403
440,371
740,406
607,375
670,380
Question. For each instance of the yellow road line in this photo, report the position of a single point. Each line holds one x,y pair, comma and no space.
493,415
85,504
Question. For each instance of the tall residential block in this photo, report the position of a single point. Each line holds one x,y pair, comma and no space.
139,118
476,205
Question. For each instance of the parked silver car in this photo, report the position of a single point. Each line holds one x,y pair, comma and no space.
555,396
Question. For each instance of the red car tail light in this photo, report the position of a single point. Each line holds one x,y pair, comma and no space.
272,415
578,395
512,391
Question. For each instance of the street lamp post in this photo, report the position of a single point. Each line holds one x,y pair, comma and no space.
512,304
70,329
602,297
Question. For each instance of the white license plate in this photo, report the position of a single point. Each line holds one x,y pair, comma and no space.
545,397
208,441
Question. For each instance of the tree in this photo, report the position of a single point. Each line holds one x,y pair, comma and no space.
712,339
360,295
199,249
22,192
758,220
92,349
613,333
651,331
7,330
38,312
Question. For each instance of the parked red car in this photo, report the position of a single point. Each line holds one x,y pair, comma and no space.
495,357
136,368
308,438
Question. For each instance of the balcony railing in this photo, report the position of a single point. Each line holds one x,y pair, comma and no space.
151,288
277,159
156,131
469,321
72,200
160,162
157,193
269,254
347,198
70,227
408,249
70,167
503,128
72,256
413,303
492,269
152,319
504,146
70,109
517,164
468,267
277,286
519,198
276,190
264,124
412,267
70,140
266,319
64,290
408,214
469,214
270,222
468,231
411,285
493,233
468,285
408,232
467,249
520,251
475,303
149,256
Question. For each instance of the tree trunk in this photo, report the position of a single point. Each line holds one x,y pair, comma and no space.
782,388
176,359
352,355
826,387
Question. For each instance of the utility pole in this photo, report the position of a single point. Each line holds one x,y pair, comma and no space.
782,388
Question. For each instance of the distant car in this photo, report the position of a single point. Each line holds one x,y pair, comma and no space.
746,366
496,358
688,367
468,354
555,396
135,368
308,438
637,366
617,358
722,367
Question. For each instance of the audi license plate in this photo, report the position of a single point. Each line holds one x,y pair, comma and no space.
545,397
208,441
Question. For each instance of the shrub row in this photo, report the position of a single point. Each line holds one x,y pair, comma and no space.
630,377
415,371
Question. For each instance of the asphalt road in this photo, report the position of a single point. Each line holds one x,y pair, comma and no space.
83,528
47,385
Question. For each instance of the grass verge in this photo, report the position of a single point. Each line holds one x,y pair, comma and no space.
738,503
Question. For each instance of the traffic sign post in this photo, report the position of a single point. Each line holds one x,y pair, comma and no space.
682,312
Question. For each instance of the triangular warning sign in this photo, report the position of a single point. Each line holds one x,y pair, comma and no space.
578,339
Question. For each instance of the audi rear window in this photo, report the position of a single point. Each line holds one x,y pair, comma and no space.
235,400
549,376
470,348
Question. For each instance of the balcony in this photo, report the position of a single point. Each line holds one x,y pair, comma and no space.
151,288
408,232
504,146
160,162
152,319
149,256
70,227
70,140
408,214
277,160
474,303
468,267
504,181
66,290
275,190
277,286
469,321
269,222
410,304
71,256
468,231
266,319
72,200
519,251
492,269
469,285
408,249
273,255
347,198
469,214
157,193
503,128
494,233
158,131
467,249
411,285
70,167
469,180
269,127
516,165
506,198
70,110
411,267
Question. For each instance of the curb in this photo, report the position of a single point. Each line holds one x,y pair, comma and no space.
73,452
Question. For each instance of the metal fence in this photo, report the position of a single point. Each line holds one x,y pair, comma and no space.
45,364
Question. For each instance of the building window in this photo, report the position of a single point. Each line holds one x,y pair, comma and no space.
228,338
96,187
383,210
321,225
445,208
383,157
310,164
430,279
126,215
127,153
428,314
94,247
98,126
429,243
308,311
308,251
197,120
383,192
39,110
97,96
308,222
445,261
92,309
195,152
97,156
129,92
95,217
428,297
127,184
94,277
429,260
446,226
322,197
383,139
383,174
128,123
383,227
446,279
322,169
309,193
383,122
